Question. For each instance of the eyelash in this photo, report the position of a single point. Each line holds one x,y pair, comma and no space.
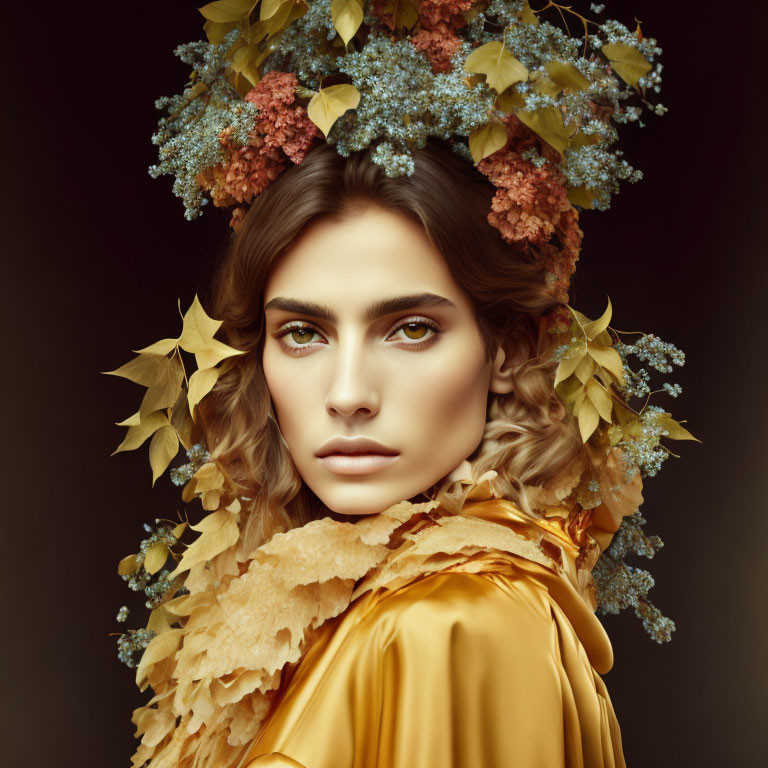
299,325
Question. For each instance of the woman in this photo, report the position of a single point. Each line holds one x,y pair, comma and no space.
390,311
416,451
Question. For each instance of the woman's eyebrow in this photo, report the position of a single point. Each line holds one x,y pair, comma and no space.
379,309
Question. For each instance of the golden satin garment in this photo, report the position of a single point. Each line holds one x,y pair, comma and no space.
453,670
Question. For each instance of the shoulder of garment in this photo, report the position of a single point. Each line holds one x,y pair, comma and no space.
462,670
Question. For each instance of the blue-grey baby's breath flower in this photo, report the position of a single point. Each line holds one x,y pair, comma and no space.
131,644
197,455
188,136
620,585
403,102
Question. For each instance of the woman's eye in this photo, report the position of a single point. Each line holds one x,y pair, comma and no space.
416,331
297,336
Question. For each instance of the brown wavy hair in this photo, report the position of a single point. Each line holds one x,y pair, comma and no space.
526,440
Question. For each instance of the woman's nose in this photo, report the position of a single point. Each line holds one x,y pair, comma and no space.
353,387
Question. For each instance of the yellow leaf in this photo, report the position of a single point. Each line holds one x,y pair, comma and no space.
164,391
155,557
568,365
217,31
500,67
181,421
547,122
676,431
627,61
487,139
131,421
127,565
136,435
162,347
404,13
589,418
580,196
220,532
567,76
159,648
158,620
286,14
581,139
179,530
270,7
509,100
527,16
585,369
568,391
208,483
626,416
197,337
162,449
595,327
201,382
544,85
227,10
600,399
608,358
198,327
144,369
243,63
328,104
347,17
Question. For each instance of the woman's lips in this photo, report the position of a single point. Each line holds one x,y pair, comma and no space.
356,463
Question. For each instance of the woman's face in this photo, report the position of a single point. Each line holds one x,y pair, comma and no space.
368,336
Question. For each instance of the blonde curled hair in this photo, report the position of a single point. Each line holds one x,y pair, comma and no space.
527,440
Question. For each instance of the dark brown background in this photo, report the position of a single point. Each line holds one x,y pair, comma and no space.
96,254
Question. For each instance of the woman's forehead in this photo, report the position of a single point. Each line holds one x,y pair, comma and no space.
364,259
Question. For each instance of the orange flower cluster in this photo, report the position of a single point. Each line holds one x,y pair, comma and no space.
282,132
437,39
531,207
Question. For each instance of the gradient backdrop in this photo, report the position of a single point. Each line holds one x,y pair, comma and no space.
95,254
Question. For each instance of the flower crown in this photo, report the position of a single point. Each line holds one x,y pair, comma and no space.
534,108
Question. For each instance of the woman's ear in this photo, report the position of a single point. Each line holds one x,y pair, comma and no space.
511,353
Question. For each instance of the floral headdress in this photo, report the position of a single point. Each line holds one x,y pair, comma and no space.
535,108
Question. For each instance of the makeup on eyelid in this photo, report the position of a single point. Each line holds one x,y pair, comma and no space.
300,325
